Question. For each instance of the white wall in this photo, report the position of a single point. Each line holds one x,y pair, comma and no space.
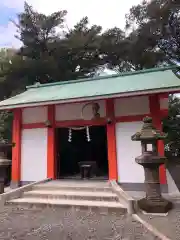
172,187
73,111
34,154
34,115
131,106
128,170
164,103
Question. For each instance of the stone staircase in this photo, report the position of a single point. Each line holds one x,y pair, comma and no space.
64,193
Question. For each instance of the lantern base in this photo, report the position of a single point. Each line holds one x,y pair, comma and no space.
155,206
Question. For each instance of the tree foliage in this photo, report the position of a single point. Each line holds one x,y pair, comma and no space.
52,52
172,127
156,25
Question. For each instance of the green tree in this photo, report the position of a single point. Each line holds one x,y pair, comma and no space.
52,52
155,25
78,54
115,49
155,29
172,127
6,58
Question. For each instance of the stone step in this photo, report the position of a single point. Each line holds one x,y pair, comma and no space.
72,187
81,195
41,202
77,183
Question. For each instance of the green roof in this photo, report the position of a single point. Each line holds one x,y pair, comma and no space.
124,84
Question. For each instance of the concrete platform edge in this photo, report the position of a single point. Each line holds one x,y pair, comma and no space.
17,192
131,203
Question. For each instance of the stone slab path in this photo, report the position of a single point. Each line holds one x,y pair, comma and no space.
68,224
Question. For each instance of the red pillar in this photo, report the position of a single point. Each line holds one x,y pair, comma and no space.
111,140
51,164
16,150
154,104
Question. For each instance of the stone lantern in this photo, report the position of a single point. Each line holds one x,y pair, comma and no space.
150,160
4,163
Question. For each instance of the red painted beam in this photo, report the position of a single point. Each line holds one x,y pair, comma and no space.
156,116
111,140
16,150
51,154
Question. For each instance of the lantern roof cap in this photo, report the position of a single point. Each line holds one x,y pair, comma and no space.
148,132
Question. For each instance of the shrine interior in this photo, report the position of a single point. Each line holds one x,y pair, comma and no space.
77,145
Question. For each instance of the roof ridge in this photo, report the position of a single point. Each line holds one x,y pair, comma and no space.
123,74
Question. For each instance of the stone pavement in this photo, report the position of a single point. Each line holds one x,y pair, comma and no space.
68,224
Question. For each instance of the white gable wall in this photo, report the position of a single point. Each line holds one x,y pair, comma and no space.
73,111
164,103
34,154
131,106
123,107
34,115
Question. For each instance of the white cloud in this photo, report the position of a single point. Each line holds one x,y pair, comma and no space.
105,13
17,4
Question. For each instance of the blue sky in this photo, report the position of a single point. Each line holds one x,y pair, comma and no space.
6,14
112,14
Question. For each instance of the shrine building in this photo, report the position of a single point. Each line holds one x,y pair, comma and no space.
58,126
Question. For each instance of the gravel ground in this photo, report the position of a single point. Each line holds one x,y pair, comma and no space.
68,224
168,225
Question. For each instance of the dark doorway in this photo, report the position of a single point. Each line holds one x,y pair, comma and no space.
69,154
